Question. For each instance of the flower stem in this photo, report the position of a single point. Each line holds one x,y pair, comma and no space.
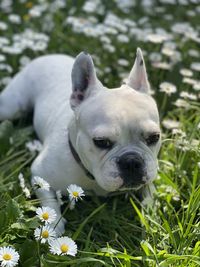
38,252
64,212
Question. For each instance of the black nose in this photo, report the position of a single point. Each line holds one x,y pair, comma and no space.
132,168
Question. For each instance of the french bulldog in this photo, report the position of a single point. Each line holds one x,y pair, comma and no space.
101,139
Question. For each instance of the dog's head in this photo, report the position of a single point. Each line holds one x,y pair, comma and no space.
115,131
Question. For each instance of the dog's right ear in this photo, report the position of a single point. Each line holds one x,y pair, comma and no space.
138,79
84,80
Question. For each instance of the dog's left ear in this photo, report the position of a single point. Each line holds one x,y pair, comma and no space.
138,79
84,79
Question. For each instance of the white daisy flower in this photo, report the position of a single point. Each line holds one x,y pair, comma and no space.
46,214
162,65
75,192
3,26
26,192
63,246
193,53
44,233
40,183
168,51
181,103
23,186
156,38
34,145
196,86
189,81
8,257
187,95
195,66
186,72
168,88
21,180
170,124
14,18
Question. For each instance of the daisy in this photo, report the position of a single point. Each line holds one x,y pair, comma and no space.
14,18
186,95
46,214
193,53
162,65
189,80
196,86
40,183
3,26
170,124
23,187
34,145
44,233
8,257
167,51
195,66
186,72
75,192
181,103
156,38
21,180
26,192
168,88
63,246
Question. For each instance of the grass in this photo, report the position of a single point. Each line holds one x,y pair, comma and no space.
118,230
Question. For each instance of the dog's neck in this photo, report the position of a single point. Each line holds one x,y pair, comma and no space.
71,141
78,160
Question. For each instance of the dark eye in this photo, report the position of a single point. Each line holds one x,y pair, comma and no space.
153,139
103,143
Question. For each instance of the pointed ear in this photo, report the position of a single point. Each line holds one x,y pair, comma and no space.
138,79
83,79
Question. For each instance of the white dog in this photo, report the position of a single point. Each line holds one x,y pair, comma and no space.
102,140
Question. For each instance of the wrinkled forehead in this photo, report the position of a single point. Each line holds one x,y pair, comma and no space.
117,108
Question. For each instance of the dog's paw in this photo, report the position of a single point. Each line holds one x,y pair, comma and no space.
59,226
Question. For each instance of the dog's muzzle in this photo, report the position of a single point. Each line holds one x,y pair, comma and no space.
132,168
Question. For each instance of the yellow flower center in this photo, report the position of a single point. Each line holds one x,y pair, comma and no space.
45,234
45,215
7,257
64,248
29,4
75,194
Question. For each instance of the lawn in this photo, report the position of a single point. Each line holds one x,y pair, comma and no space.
118,230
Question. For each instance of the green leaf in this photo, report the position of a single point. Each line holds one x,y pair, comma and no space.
19,226
66,261
13,211
28,253
140,215
3,220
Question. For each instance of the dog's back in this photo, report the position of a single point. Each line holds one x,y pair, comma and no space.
45,85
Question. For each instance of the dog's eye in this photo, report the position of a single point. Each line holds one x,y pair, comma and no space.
103,143
153,139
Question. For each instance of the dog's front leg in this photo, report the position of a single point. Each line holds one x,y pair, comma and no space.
48,199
